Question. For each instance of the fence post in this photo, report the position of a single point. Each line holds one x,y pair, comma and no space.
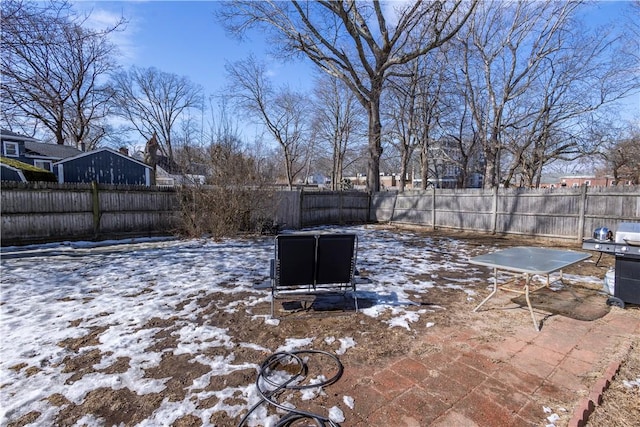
95,202
393,208
300,197
494,219
433,207
582,213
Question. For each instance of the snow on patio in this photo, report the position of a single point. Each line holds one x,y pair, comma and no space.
111,291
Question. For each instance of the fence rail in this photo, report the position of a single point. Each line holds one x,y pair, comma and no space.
53,212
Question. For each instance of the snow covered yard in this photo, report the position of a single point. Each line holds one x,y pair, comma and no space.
174,332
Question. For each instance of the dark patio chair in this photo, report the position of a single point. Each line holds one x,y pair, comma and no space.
293,267
336,262
306,264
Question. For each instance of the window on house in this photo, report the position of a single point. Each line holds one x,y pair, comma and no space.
44,164
587,183
11,149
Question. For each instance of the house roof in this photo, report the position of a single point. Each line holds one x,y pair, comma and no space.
30,172
12,136
55,151
34,148
99,150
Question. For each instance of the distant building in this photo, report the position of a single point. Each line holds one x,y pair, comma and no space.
33,152
104,166
591,181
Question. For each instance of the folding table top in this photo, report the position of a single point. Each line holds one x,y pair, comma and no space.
532,260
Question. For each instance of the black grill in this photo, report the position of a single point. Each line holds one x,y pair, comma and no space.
626,248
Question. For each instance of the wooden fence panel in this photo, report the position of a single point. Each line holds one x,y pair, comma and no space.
49,212
558,213
382,206
42,212
36,227
334,207
464,209
413,207
288,209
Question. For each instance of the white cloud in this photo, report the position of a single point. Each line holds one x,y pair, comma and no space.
98,17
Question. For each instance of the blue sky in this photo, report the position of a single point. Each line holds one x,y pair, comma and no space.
184,37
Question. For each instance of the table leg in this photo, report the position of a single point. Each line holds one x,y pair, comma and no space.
526,295
493,292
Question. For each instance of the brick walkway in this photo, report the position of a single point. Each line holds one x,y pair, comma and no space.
475,381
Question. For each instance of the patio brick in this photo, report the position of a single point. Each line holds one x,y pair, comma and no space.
486,412
445,388
550,341
364,407
520,380
453,418
585,355
503,394
552,391
464,374
568,380
575,366
411,368
422,405
479,362
390,384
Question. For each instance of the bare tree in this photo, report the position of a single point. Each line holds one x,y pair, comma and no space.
534,77
52,71
402,113
620,149
282,112
337,122
504,50
153,101
358,42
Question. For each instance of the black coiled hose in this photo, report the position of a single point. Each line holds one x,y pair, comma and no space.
268,396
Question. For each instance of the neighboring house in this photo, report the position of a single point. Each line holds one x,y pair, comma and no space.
105,166
14,170
32,152
593,181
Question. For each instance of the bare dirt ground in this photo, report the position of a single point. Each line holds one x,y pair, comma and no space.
376,342
621,402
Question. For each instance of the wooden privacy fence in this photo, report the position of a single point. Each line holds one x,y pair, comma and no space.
297,209
53,212
40,212
571,213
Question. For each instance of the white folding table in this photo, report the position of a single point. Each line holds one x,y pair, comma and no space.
528,261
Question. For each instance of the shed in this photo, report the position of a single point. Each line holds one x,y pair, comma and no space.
105,166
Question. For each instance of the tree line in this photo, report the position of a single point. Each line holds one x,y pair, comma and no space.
448,90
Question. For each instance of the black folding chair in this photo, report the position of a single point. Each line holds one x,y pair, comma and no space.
310,264
336,261
294,264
